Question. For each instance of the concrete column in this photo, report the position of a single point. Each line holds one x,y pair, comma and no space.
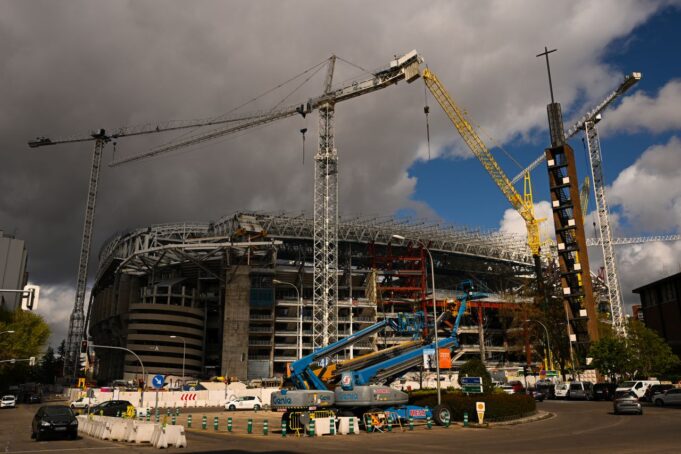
235,326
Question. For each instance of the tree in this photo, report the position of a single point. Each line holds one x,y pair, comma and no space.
48,367
649,355
611,357
29,337
476,368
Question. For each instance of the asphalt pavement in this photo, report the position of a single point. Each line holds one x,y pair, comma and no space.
583,427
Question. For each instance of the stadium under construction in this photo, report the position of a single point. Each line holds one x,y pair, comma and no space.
234,297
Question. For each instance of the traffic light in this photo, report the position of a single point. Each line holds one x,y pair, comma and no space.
83,346
83,361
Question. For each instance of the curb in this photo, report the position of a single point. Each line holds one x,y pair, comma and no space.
538,416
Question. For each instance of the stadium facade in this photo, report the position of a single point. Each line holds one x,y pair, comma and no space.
234,297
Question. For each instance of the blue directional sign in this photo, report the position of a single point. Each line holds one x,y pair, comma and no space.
158,381
471,380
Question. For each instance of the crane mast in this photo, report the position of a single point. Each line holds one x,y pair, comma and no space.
611,278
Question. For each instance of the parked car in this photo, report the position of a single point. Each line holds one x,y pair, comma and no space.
8,401
244,403
35,399
547,388
111,408
508,389
561,390
583,390
669,397
604,391
638,387
656,389
84,403
538,395
628,403
54,420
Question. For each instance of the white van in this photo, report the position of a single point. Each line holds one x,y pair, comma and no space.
638,387
561,390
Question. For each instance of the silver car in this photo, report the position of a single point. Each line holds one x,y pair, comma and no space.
628,403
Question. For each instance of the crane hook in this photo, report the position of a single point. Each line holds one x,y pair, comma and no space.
303,131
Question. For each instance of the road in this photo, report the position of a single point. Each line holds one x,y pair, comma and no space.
576,427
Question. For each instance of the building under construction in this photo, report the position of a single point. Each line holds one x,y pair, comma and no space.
234,297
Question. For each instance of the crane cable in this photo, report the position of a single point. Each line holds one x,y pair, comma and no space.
426,110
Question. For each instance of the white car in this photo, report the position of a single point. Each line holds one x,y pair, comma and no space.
8,401
84,403
244,403
561,390
669,397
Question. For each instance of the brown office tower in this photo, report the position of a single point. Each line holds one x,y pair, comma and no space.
572,253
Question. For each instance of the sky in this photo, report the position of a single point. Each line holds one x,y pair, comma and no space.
73,66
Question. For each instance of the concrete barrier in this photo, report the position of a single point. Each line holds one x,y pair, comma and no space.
344,425
158,437
175,436
131,430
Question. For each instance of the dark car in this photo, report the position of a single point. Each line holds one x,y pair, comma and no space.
537,394
628,403
604,391
548,389
656,389
35,399
54,420
111,408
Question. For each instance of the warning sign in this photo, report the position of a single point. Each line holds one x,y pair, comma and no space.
480,408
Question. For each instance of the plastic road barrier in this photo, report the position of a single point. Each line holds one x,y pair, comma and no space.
429,423
351,430
189,421
312,424
249,428
332,426
465,419
229,424
216,423
265,428
411,423
390,423
283,428
204,422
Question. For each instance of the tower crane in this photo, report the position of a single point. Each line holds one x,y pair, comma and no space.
325,279
101,137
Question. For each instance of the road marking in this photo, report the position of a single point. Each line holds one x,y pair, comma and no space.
71,449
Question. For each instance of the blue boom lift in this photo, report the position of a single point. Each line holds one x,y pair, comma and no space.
362,386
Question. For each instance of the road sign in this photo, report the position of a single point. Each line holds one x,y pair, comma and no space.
472,389
158,381
471,381
480,408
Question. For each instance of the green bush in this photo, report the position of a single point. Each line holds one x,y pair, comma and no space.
497,406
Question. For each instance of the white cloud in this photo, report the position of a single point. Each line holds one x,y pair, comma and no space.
642,112
649,191
56,304
512,223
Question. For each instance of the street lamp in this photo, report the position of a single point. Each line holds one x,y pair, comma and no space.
144,374
437,349
9,331
300,315
548,341
184,350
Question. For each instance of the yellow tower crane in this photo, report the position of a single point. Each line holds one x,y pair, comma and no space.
522,203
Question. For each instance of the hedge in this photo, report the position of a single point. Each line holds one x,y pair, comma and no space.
497,406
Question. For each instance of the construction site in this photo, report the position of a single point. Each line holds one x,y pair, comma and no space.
247,295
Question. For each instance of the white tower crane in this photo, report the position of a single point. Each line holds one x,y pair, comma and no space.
325,277
100,137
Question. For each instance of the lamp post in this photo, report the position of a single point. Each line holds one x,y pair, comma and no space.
184,350
300,315
437,349
144,375
548,341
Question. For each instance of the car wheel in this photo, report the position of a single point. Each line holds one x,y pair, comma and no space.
231,408
659,403
442,413
256,407
32,435
38,437
640,413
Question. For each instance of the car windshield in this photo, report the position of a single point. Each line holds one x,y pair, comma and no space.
561,386
58,411
627,384
8,398
575,386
